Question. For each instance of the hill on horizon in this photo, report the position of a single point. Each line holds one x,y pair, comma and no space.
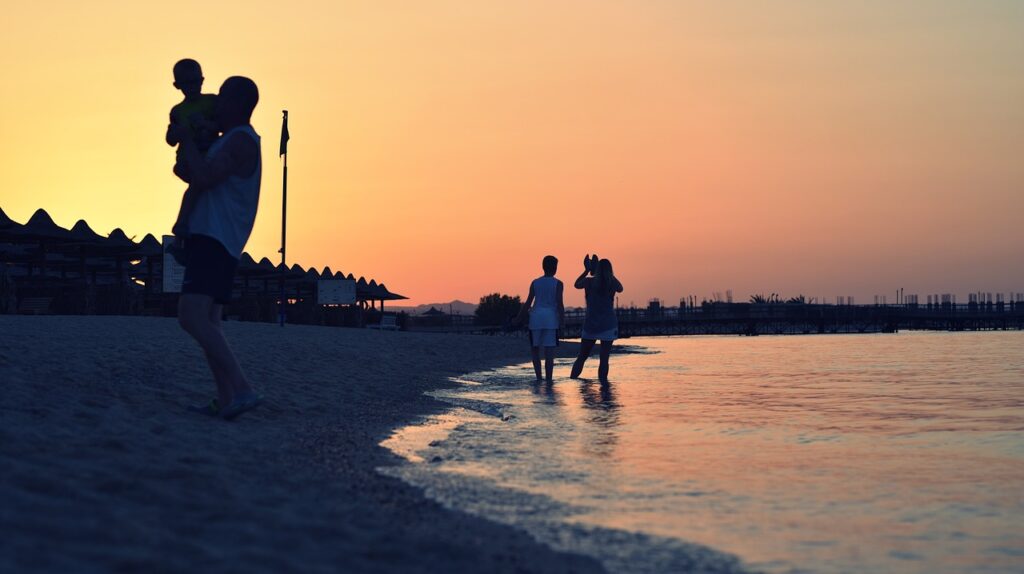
458,307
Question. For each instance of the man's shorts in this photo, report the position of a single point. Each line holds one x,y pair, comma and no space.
209,269
543,338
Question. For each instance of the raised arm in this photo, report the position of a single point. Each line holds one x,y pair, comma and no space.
581,281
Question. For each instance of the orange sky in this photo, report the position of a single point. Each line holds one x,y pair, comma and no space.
445,147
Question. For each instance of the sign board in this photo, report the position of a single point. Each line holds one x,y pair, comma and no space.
335,291
174,272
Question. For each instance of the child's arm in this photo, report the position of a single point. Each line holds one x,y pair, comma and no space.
171,138
239,157
525,309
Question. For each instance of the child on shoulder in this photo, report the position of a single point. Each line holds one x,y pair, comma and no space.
196,113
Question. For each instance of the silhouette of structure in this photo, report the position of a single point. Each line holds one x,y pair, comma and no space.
777,317
45,268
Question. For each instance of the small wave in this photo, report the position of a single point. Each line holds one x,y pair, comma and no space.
551,523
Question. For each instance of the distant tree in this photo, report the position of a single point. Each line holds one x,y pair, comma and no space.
798,300
497,309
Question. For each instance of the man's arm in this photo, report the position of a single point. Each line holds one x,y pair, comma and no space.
238,156
561,306
525,309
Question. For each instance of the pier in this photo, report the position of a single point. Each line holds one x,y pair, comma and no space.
752,319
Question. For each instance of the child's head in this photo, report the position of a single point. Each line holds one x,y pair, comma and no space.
550,264
188,77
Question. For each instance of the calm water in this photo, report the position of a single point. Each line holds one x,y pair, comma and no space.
860,453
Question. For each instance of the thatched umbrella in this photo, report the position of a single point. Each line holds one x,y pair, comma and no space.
381,293
10,231
387,295
6,224
119,245
42,231
41,227
150,247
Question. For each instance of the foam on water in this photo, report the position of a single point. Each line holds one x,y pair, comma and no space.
822,454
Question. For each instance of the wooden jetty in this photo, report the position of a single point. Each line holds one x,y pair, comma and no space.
780,318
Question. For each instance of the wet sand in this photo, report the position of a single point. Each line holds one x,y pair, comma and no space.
104,470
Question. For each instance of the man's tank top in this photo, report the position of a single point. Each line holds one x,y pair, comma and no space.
544,314
227,212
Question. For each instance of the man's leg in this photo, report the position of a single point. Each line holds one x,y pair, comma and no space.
549,362
535,353
239,384
585,346
195,316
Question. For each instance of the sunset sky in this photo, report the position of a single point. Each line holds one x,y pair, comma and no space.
817,147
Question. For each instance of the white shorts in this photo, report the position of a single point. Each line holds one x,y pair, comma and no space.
608,335
543,338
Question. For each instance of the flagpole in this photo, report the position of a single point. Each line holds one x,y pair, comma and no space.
284,212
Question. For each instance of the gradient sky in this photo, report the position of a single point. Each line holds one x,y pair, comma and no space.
817,147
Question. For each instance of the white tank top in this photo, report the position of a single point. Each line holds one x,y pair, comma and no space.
544,314
227,212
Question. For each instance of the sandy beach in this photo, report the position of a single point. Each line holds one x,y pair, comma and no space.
104,470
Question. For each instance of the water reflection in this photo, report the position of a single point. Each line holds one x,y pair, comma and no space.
601,411
895,453
546,391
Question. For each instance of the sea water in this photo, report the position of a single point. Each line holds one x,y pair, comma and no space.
823,453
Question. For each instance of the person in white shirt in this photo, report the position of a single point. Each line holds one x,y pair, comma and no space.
227,184
547,314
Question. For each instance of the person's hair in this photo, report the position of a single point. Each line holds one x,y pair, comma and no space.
184,65
604,278
550,264
244,89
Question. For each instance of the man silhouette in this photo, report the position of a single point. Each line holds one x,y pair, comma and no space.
227,184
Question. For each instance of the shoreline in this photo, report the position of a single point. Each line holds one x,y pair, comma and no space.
477,408
106,470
